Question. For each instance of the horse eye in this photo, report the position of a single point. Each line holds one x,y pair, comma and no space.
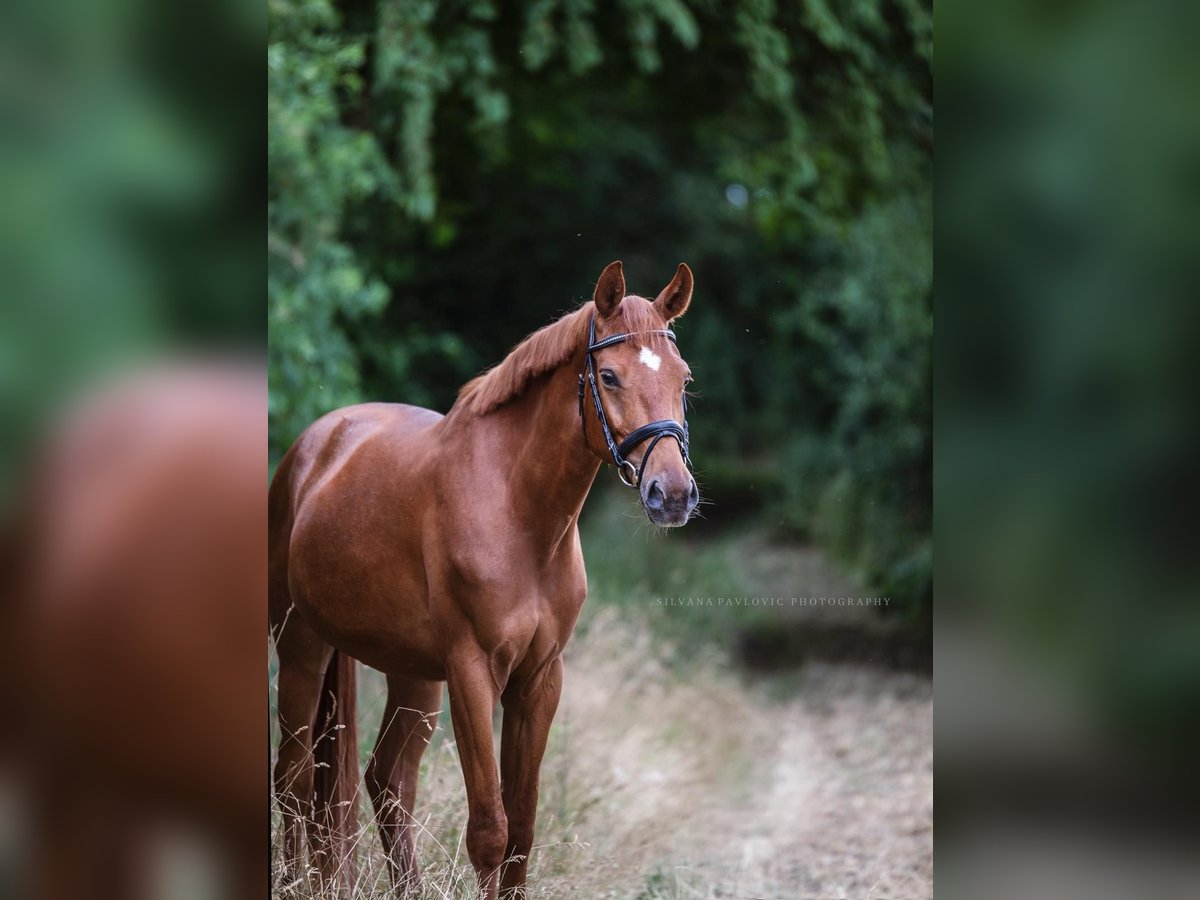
609,379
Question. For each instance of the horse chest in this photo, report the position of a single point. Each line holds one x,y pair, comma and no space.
513,597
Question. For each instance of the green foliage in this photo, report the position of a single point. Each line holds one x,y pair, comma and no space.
317,166
446,177
862,484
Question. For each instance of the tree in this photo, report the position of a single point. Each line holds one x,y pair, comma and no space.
445,177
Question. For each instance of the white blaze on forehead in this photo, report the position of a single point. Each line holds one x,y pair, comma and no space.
650,358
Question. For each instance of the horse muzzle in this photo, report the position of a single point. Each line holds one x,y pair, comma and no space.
669,499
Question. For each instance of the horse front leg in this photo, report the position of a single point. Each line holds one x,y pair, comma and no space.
473,694
528,711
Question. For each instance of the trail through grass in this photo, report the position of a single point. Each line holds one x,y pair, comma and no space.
670,774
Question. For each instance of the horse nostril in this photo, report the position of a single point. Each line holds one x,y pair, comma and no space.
693,496
654,496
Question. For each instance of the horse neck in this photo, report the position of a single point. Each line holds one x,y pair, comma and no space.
540,440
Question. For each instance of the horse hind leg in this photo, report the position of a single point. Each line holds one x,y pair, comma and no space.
408,721
303,659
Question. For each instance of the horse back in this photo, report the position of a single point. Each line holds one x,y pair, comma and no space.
336,437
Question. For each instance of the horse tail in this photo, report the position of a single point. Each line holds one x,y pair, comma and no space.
335,753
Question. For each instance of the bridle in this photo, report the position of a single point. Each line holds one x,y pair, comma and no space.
653,432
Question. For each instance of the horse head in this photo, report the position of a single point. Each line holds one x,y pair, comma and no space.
637,380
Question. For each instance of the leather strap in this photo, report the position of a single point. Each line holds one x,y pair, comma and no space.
653,431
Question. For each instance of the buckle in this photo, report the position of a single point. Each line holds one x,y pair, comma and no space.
632,480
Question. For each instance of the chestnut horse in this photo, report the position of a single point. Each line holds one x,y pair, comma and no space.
131,637
447,549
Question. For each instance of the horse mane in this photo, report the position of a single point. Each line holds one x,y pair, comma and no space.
545,350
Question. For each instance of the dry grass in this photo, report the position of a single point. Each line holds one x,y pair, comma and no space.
666,784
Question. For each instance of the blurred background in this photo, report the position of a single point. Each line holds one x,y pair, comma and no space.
445,178
132,444
1067,630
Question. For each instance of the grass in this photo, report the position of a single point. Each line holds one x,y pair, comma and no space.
668,774
654,573
615,781
731,588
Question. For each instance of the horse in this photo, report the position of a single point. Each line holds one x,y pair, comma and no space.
446,549
132,642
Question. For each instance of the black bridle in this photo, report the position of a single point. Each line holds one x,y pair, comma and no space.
653,432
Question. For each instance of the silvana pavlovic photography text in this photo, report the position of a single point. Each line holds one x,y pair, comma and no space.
772,601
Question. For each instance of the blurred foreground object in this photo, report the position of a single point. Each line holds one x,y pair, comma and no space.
131,531
136,639
131,222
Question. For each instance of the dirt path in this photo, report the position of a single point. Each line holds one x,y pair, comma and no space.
846,808
714,789
699,781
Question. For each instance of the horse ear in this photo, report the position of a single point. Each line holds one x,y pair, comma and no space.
675,297
610,289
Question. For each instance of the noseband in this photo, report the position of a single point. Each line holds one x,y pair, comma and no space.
652,432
